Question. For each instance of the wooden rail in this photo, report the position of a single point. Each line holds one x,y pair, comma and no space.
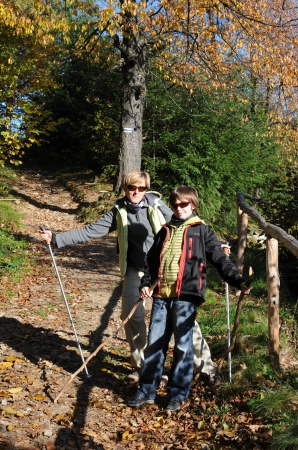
275,236
273,231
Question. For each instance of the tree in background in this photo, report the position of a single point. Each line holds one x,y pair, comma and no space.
202,44
36,38
194,44
209,140
85,104
20,54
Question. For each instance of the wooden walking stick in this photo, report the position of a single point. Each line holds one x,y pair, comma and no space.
236,323
103,343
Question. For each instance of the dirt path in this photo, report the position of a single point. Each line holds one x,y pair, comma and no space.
37,339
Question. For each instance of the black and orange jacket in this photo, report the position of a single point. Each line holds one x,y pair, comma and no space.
200,244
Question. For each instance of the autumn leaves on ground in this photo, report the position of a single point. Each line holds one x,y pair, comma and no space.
38,352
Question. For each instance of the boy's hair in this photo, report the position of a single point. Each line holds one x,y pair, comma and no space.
136,176
185,193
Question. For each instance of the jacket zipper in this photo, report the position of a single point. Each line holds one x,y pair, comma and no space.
201,275
160,258
190,248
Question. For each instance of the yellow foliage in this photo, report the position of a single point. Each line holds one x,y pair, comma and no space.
191,41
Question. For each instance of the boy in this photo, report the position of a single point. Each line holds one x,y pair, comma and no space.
178,256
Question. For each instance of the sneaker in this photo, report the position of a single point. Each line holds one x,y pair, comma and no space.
133,377
165,378
174,405
137,401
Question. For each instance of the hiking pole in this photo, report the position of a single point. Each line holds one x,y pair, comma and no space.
66,304
236,322
226,251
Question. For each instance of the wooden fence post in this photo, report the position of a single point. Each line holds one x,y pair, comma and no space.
242,224
273,297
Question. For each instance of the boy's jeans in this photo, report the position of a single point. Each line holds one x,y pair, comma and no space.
171,315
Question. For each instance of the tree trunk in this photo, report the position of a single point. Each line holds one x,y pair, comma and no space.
273,297
134,93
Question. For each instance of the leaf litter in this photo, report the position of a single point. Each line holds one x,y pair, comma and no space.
38,352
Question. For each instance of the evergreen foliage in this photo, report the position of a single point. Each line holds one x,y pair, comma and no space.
85,104
211,141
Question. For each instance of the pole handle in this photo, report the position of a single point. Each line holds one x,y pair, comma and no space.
42,228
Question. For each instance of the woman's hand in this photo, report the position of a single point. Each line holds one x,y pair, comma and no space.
145,292
46,235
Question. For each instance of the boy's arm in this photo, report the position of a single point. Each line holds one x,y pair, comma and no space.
223,264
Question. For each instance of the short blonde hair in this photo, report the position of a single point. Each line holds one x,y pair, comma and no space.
185,193
135,176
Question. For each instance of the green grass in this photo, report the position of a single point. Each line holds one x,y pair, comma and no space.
272,391
13,256
41,312
285,436
275,404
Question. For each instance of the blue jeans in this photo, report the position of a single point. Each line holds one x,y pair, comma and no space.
170,315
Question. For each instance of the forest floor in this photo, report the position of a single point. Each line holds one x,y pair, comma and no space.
38,351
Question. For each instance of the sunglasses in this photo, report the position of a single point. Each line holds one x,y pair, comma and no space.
134,188
180,205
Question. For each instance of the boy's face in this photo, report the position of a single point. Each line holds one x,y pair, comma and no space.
135,192
182,208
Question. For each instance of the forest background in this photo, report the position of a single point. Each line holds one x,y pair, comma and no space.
199,93
196,92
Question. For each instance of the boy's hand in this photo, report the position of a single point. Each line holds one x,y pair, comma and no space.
245,289
145,292
226,249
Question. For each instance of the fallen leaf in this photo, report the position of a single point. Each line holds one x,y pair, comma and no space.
38,397
4,394
15,390
200,424
14,359
10,410
5,365
100,405
125,435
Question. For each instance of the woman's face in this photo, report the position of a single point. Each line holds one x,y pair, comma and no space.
182,208
135,192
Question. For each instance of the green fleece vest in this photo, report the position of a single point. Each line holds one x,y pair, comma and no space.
156,220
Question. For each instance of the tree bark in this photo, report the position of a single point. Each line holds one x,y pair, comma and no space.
273,297
133,51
